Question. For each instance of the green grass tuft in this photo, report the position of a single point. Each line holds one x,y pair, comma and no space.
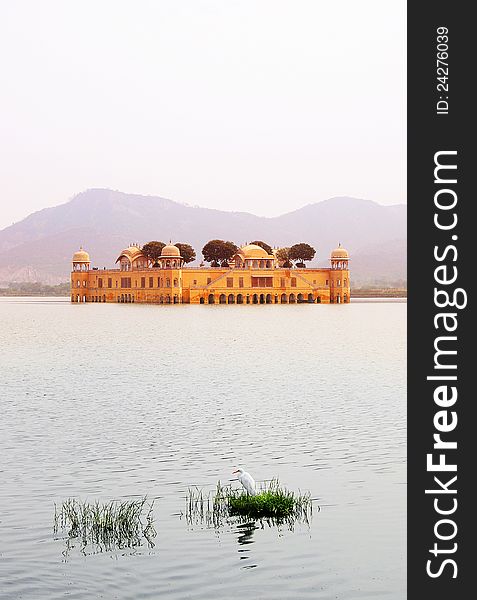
111,524
273,503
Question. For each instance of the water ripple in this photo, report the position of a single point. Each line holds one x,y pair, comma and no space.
102,403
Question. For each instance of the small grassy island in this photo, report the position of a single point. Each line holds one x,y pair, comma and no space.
272,502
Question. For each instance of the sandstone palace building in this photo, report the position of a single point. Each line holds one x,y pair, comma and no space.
252,277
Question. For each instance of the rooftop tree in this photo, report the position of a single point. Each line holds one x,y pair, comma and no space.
283,255
152,250
187,252
301,252
218,252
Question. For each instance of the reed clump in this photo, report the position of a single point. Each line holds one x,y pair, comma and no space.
110,524
272,502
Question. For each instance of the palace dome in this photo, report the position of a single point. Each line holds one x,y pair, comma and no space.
253,251
131,252
339,253
171,250
81,256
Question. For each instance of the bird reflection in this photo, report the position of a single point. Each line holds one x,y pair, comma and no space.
245,537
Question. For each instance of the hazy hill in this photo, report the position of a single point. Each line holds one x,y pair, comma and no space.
39,248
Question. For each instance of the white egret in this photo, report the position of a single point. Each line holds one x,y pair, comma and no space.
247,481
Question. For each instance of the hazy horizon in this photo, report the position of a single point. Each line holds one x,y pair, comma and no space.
256,106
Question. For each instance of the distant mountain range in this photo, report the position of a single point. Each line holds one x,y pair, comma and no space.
39,248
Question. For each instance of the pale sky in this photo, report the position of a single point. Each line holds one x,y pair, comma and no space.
255,105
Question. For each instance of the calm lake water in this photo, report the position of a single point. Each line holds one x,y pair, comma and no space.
105,401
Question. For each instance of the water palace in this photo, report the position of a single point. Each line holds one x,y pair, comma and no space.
252,277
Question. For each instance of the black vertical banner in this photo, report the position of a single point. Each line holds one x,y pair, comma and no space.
441,359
